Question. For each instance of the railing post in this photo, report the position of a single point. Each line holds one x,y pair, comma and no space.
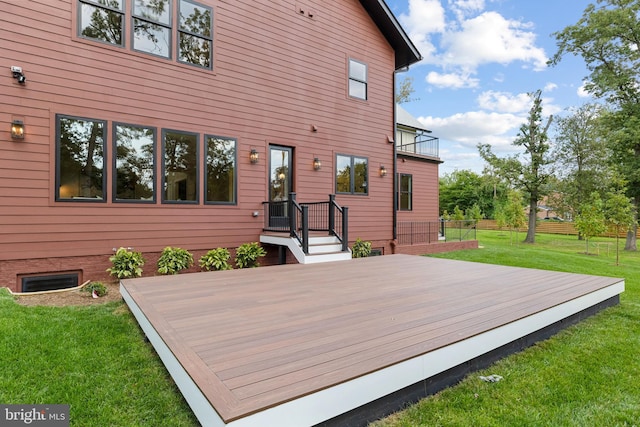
292,213
332,214
305,229
345,229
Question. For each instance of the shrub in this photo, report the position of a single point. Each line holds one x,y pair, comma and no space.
247,255
215,259
361,249
126,263
98,287
172,260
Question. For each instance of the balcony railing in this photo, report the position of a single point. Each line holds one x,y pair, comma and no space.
424,145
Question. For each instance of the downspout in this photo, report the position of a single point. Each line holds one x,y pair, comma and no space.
394,168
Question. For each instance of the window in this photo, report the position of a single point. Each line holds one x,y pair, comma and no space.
80,147
351,174
134,176
180,167
405,192
152,27
195,34
102,20
220,170
357,79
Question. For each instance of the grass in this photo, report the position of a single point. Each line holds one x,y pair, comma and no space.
96,360
93,358
586,375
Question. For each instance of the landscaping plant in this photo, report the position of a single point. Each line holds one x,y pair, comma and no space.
247,255
361,249
215,260
98,287
173,260
126,263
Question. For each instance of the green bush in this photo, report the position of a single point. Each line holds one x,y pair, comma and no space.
361,249
247,255
99,287
126,263
172,260
215,260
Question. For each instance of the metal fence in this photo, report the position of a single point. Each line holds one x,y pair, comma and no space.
428,232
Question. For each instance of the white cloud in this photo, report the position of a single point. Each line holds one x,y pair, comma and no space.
582,92
490,38
463,8
425,17
549,87
451,80
504,102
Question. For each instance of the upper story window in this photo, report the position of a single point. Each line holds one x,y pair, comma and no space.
357,79
352,174
102,20
80,154
157,27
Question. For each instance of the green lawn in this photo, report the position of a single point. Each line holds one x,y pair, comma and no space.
587,375
95,359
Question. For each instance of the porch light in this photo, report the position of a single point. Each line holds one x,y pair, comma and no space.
17,129
316,164
383,170
253,156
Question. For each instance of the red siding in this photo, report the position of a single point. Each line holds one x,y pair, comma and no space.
275,75
425,188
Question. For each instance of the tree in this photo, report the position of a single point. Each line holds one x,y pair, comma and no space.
466,188
607,37
513,212
458,214
530,174
405,90
474,213
580,159
590,221
619,215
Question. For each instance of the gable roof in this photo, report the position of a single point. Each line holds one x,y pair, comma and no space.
406,52
405,119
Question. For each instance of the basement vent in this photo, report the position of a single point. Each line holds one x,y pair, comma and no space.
49,282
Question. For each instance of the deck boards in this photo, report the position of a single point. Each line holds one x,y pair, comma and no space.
254,339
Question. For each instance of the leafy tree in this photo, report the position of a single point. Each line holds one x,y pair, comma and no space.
405,90
458,214
500,217
474,213
607,37
466,188
514,213
619,215
590,221
580,159
529,174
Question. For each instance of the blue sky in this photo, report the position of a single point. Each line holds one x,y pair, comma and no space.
481,58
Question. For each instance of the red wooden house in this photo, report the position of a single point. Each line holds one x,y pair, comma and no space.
188,123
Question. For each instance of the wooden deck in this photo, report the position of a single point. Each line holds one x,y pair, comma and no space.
300,344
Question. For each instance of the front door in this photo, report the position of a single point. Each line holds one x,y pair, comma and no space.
280,184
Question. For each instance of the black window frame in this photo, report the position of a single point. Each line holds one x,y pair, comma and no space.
58,175
154,169
164,169
206,170
408,192
364,82
180,32
352,175
107,8
169,26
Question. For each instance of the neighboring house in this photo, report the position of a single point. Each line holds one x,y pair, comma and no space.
147,124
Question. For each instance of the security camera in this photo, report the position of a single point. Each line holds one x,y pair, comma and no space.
16,70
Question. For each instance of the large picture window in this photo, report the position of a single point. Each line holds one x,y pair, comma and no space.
102,20
80,148
134,177
357,79
195,34
351,174
405,193
220,170
152,27
180,167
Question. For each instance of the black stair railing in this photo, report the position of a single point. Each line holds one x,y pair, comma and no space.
298,219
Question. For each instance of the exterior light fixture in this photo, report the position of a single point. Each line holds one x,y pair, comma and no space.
383,170
17,74
17,129
316,164
253,156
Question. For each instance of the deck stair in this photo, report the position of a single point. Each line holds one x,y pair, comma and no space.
322,248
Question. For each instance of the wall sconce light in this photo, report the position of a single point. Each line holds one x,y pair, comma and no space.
383,170
17,129
253,156
316,164
17,74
